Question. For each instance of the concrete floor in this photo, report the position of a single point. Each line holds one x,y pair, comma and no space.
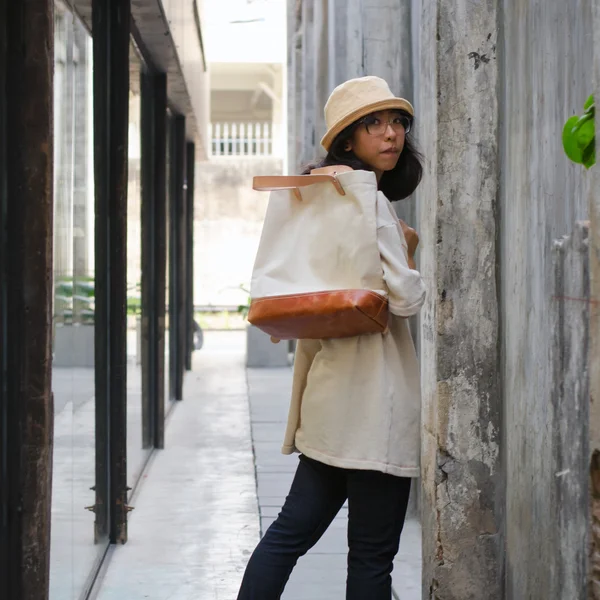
201,505
195,521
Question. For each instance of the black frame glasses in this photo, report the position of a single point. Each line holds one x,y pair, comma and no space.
374,126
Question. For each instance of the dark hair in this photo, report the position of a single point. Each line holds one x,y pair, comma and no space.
397,184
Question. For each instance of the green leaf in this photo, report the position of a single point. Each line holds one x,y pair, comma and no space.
589,104
585,134
582,120
589,156
570,144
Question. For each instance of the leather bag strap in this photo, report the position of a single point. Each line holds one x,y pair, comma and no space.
294,182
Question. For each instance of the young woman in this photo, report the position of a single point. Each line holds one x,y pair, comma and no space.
355,410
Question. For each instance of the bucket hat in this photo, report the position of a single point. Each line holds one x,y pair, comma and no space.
357,98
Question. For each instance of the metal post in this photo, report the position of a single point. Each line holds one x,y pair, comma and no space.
154,251
176,258
26,410
182,256
111,26
148,331
189,262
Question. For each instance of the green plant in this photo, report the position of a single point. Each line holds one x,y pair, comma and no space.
243,309
134,299
579,136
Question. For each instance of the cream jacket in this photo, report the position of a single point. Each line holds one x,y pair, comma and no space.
356,402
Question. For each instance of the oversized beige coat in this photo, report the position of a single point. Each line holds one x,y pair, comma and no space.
356,402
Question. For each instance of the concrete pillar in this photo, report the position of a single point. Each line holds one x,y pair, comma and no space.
337,25
594,364
64,121
378,42
321,85
341,39
82,149
570,404
279,110
307,123
462,490
294,83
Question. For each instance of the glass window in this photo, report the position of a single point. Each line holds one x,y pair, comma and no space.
169,374
137,414
77,544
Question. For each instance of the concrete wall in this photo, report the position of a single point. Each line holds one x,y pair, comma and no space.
462,480
569,486
495,88
546,79
594,244
228,221
503,489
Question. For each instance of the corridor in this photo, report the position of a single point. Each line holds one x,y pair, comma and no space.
199,508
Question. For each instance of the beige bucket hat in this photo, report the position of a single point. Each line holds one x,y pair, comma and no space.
357,98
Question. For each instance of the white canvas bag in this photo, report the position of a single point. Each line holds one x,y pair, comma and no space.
318,271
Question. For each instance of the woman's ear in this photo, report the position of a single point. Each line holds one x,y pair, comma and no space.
348,146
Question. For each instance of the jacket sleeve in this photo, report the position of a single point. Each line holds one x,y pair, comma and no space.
405,286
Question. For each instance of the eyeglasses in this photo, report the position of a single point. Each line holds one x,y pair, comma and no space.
376,126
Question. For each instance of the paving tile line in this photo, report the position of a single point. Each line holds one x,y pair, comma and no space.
254,458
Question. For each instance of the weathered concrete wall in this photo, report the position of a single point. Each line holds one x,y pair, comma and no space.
294,82
307,131
495,83
570,405
462,479
228,219
594,249
545,79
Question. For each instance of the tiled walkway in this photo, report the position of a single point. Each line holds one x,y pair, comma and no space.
321,574
196,517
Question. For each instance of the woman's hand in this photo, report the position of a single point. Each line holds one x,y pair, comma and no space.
412,241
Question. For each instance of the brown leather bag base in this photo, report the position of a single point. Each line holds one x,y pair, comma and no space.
320,315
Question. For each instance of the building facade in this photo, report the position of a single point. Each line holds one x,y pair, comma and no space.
103,117
246,44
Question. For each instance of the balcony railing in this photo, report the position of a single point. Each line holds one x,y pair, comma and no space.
242,139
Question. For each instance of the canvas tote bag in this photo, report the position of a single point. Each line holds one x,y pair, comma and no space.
318,273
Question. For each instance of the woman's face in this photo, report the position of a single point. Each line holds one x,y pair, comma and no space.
379,140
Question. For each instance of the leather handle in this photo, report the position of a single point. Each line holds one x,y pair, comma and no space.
269,183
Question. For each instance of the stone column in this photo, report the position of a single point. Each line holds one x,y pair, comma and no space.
462,490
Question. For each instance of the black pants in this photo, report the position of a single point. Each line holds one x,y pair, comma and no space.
376,511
